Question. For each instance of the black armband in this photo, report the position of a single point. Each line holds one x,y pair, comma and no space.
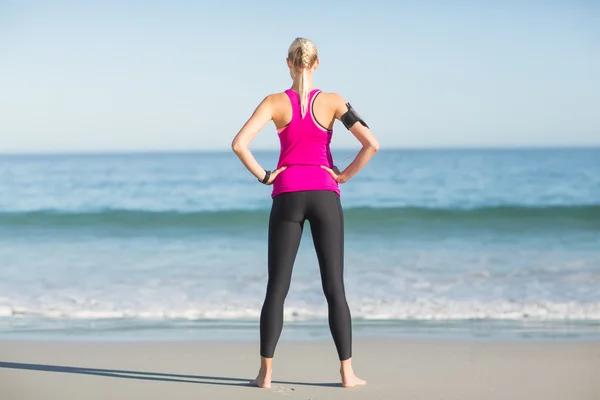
351,117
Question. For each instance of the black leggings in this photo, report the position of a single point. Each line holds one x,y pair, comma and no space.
323,211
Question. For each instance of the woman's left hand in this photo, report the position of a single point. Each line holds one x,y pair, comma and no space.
274,175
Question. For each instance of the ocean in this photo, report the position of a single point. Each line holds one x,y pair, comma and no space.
468,244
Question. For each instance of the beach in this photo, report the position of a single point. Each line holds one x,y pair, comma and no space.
394,369
159,162
469,274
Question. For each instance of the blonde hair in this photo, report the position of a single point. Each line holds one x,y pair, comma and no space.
303,55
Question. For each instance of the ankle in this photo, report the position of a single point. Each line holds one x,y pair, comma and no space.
266,370
346,366
266,365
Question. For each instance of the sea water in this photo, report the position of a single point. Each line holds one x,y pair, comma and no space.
438,243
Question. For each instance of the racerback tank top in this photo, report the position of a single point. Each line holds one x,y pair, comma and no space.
305,146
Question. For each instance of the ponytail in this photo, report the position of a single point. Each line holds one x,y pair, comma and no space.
303,83
303,55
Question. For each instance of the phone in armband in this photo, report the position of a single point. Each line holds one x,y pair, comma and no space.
351,117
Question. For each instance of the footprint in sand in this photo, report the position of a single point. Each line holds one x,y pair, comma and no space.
284,391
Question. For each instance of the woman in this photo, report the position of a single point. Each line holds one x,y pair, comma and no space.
305,187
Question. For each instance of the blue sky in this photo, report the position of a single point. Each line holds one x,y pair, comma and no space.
183,75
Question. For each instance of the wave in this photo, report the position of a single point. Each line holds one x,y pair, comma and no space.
498,217
448,310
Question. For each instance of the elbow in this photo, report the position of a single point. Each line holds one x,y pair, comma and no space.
237,147
373,146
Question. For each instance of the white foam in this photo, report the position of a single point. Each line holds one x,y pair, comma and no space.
370,309
5,311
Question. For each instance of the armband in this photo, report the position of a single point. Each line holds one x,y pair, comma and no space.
351,117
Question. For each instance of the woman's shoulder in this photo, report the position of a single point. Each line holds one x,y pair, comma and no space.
333,98
275,97
273,100
334,101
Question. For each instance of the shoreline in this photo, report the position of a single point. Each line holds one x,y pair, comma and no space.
127,330
393,368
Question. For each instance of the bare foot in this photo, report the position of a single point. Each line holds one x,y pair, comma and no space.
263,380
349,379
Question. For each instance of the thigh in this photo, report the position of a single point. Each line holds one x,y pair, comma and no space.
285,231
327,227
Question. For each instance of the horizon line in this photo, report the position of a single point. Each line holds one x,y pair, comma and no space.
274,150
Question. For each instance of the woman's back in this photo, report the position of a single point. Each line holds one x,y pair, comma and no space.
305,141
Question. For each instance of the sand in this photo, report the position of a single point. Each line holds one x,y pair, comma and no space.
394,369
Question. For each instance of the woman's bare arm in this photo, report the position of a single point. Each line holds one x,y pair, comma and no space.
260,117
370,144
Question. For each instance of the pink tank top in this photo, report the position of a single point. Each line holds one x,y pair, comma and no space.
304,148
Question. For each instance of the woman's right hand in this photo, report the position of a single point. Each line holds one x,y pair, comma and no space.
274,175
335,173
